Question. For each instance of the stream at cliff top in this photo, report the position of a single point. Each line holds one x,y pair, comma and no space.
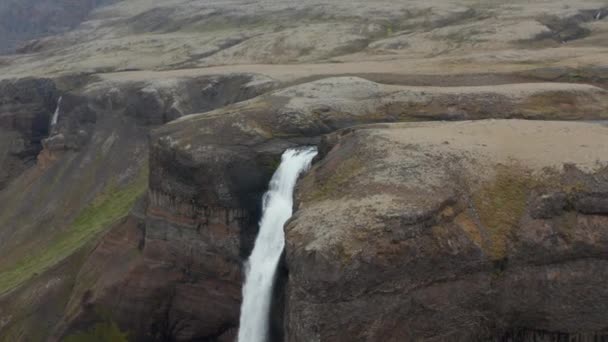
262,265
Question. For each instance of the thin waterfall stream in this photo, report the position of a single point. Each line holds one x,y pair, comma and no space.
55,117
261,267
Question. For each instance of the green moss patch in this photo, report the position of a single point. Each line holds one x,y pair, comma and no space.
101,332
108,208
558,105
336,181
500,206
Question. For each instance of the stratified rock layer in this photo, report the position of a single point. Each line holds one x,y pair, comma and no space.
452,231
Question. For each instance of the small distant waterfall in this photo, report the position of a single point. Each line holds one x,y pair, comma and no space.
262,264
56,114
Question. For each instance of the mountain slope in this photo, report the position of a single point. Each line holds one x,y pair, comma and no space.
22,20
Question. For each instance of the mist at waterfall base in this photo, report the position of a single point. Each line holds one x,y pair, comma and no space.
261,266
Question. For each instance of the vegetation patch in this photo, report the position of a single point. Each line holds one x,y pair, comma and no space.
333,184
468,226
555,105
102,332
108,208
500,206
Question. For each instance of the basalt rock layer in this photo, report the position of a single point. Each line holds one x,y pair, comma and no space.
452,231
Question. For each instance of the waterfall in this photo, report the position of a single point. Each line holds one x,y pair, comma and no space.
262,264
56,114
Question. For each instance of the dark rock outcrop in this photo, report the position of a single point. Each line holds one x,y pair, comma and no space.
179,281
447,231
26,107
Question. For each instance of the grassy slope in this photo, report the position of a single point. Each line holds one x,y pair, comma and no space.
109,207
101,332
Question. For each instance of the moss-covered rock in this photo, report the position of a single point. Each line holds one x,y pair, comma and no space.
500,206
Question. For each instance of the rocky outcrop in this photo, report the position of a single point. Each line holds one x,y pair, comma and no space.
168,276
205,187
325,105
26,107
148,103
158,101
452,231
52,214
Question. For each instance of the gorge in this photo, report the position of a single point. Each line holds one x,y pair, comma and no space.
453,185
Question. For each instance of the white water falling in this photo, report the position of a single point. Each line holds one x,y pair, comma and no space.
56,114
262,264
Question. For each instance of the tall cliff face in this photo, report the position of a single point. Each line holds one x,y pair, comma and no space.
175,261
449,231
26,107
89,172
91,168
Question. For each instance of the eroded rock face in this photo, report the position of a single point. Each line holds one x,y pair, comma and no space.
149,104
26,107
451,231
194,166
179,273
91,168
205,187
52,214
